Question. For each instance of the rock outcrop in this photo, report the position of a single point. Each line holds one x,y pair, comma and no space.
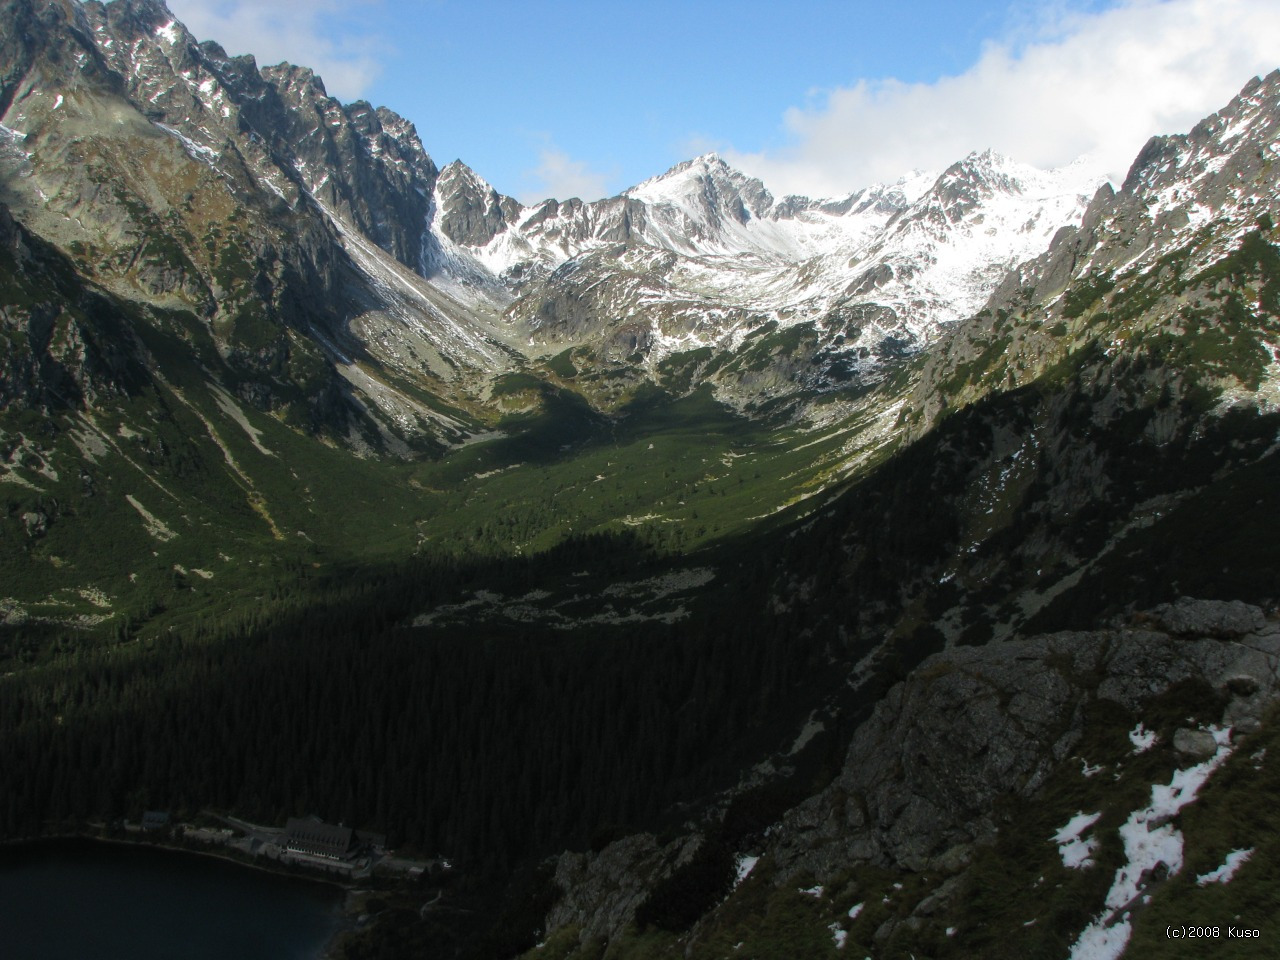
969,727
602,891
973,724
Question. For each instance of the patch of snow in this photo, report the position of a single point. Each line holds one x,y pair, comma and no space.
838,935
744,867
855,910
271,185
811,729
1089,771
168,33
196,151
1142,738
1102,943
57,103
1077,851
1235,860
815,891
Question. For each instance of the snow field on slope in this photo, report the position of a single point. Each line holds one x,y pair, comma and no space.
796,267
1150,841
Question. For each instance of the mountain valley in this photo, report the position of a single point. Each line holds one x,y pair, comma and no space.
703,572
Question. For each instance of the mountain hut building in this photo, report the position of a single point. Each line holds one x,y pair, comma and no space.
316,838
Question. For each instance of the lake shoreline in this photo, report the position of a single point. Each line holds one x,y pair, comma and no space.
348,912
174,847
76,884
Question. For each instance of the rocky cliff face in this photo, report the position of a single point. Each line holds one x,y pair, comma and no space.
951,757
366,165
472,213
973,725
296,228
61,349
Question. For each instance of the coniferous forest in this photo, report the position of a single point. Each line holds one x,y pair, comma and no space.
499,742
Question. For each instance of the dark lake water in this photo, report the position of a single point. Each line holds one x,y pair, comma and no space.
78,900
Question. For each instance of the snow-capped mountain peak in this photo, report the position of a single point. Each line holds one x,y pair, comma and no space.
706,186
699,255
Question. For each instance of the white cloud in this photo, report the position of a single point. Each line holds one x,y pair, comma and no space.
316,34
558,175
1099,83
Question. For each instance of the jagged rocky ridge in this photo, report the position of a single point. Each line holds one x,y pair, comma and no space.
435,279
397,270
185,180
703,256
1187,203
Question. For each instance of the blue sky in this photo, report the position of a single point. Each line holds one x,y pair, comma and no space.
560,98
